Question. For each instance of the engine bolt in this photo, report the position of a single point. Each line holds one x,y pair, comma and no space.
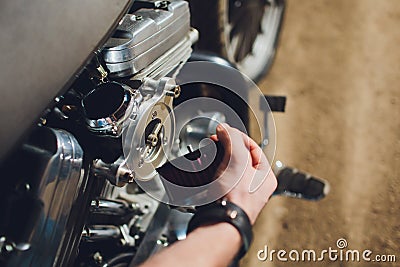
8,248
43,121
136,17
114,129
131,176
162,4
135,206
98,258
152,139
177,91
140,164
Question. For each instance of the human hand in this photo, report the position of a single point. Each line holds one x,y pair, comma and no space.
245,162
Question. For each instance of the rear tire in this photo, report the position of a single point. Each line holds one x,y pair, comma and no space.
245,32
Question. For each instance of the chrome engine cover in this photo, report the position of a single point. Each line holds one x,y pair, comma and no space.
146,129
59,184
161,36
149,133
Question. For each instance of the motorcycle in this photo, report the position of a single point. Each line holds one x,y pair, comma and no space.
95,95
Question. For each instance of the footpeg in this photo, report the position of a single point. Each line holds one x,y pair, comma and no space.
297,184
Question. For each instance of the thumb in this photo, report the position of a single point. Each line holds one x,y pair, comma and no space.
224,138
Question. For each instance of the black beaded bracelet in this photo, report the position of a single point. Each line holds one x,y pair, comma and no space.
224,211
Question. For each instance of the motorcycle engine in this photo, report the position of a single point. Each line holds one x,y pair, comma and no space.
71,199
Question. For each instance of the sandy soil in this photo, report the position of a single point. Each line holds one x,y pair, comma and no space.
339,65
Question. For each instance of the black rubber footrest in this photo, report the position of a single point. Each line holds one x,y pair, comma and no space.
294,183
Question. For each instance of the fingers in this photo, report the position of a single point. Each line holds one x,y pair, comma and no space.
214,137
224,138
248,169
236,152
259,160
235,141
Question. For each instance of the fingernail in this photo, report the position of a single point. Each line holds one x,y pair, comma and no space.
222,126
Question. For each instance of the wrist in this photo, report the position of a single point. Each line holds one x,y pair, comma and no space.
224,211
248,206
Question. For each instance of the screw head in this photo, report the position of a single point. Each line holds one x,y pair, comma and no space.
153,139
162,4
114,129
8,247
43,121
177,91
136,17
97,257
140,164
131,177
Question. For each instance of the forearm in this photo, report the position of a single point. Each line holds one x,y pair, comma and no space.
211,246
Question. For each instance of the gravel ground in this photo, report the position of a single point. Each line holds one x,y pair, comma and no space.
339,65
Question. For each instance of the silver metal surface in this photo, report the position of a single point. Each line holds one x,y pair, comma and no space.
7,247
138,43
58,190
154,116
101,232
117,173
104,204
154,232
201,126
111,124
143,202
149,110
95,233
157,29
171,61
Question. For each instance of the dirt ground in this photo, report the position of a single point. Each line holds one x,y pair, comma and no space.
339,65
